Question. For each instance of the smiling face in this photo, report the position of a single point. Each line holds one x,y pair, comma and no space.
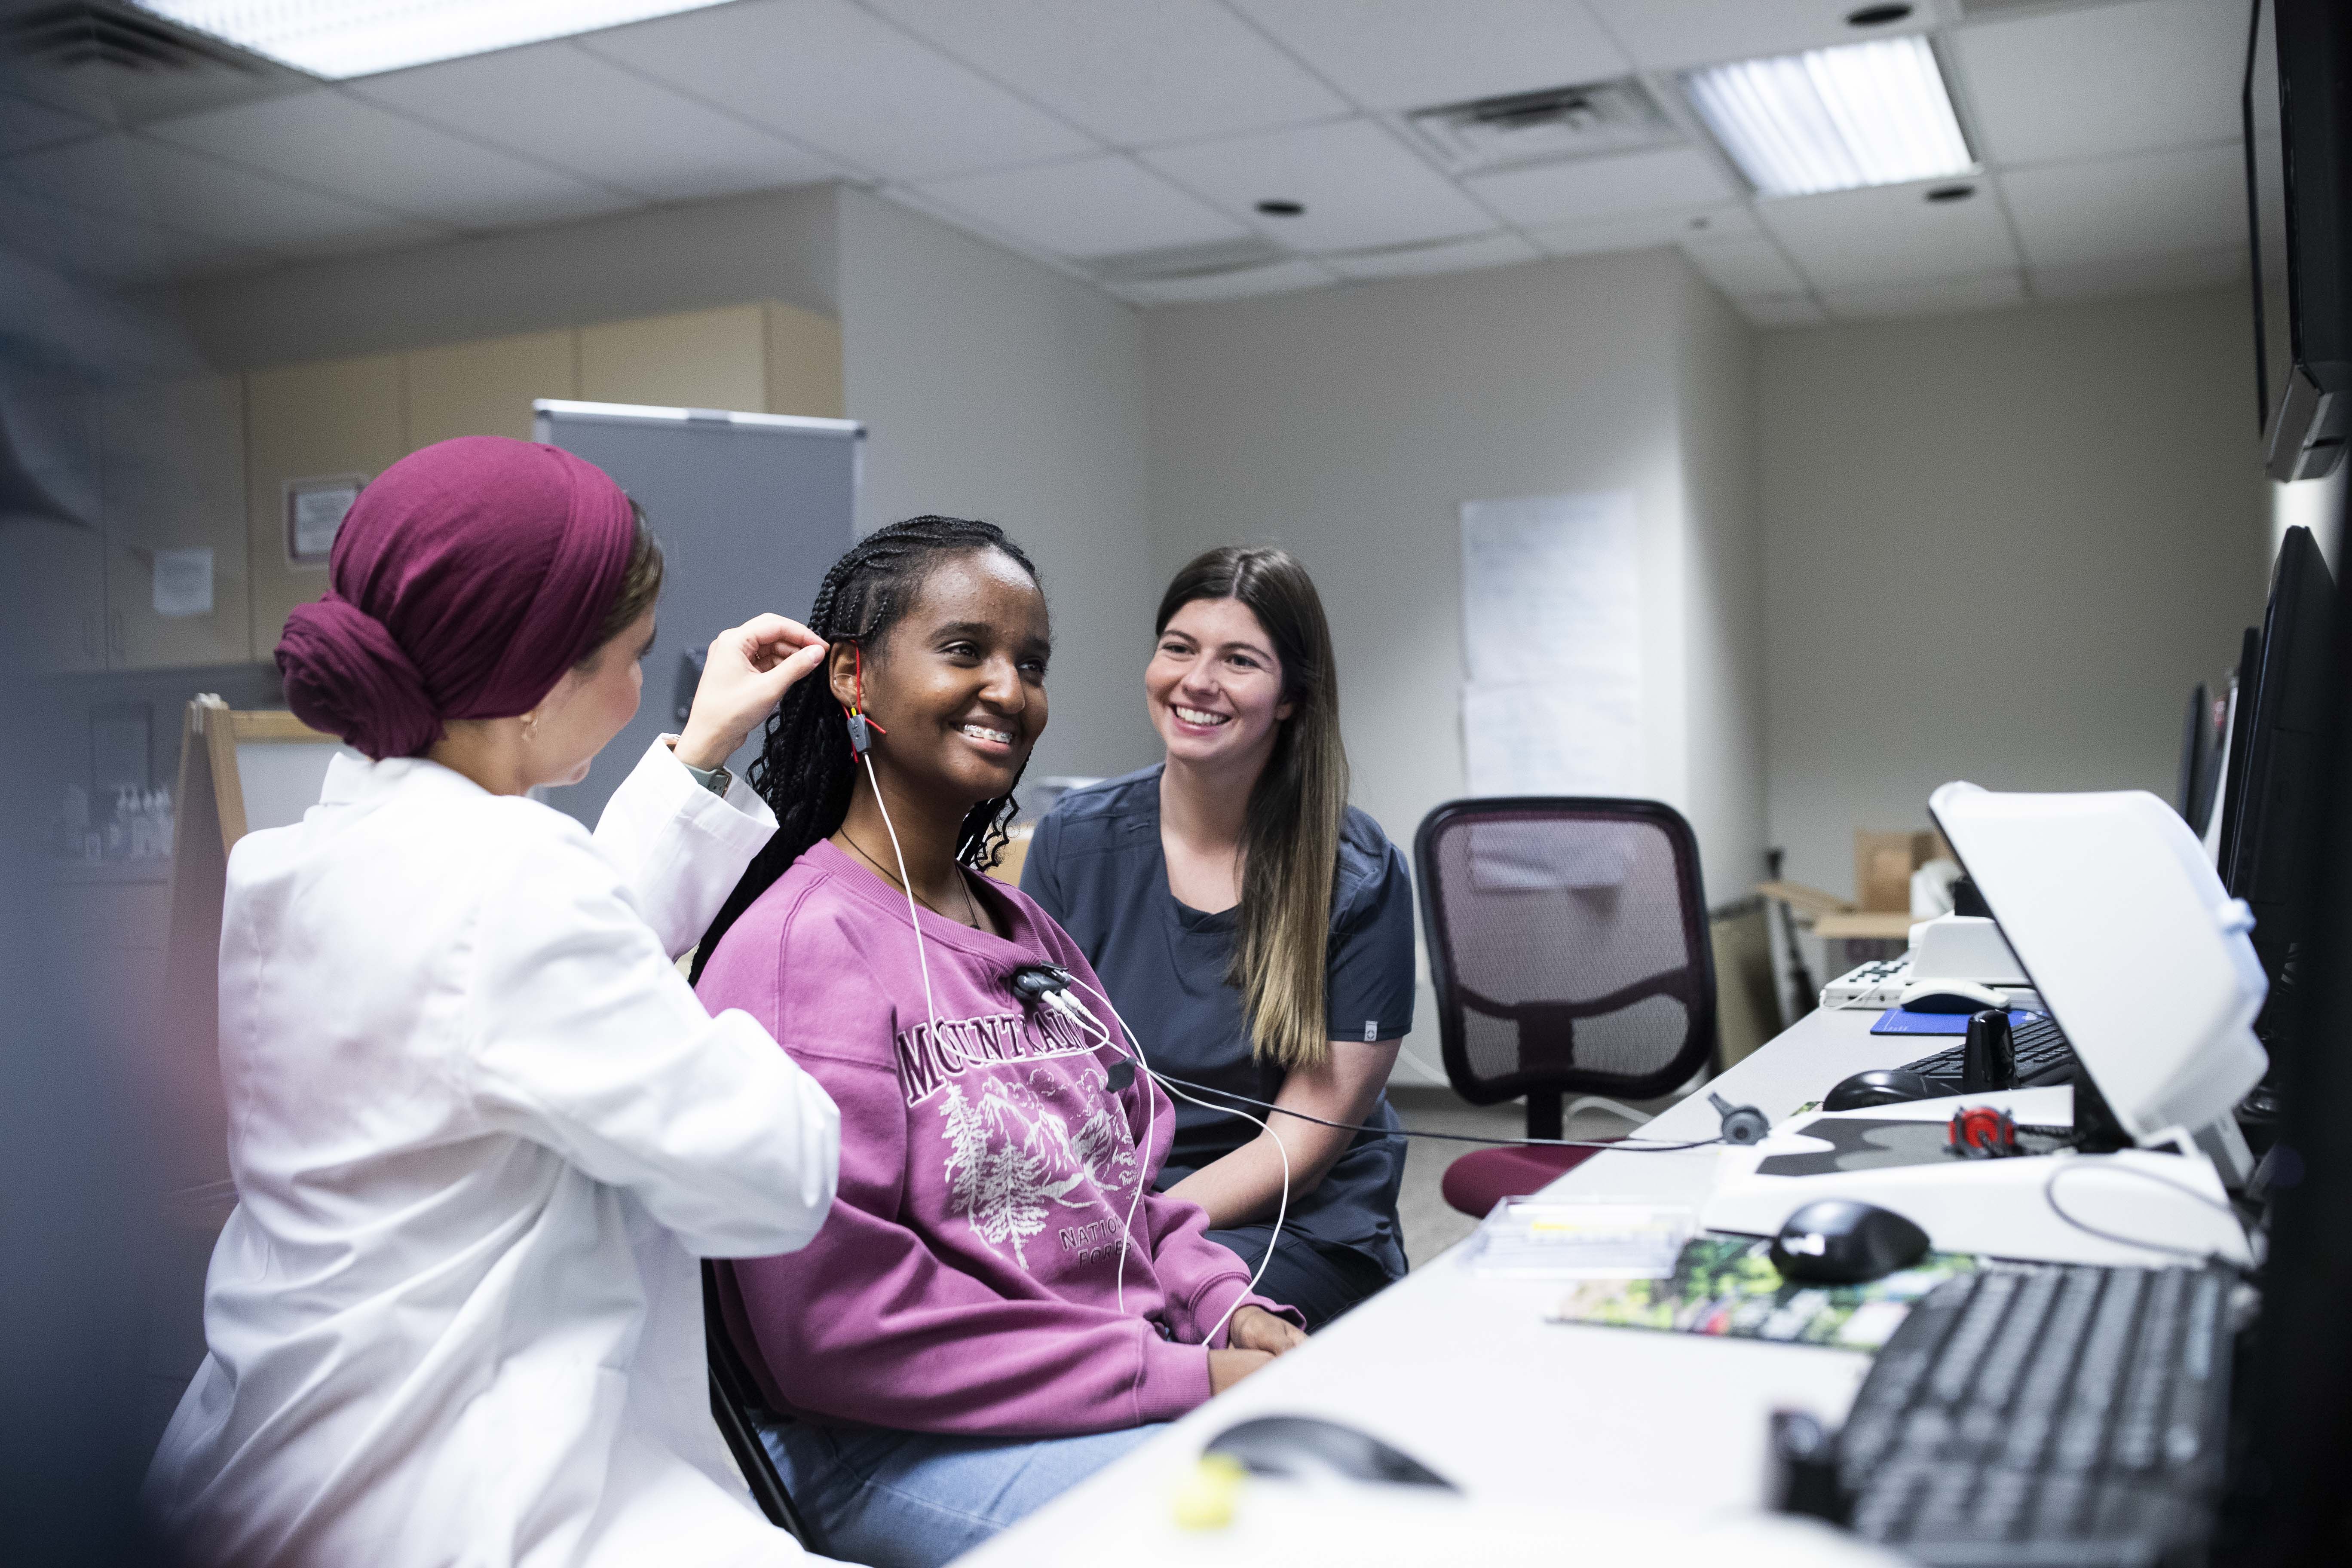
1215,687
959,683
593,703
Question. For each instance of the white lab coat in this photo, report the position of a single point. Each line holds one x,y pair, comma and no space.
481,1128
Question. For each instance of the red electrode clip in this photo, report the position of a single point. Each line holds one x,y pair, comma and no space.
1982,1132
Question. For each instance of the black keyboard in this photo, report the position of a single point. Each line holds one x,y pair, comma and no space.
2042,1056
2041,1414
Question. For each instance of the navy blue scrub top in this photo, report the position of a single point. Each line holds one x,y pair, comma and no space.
1097,867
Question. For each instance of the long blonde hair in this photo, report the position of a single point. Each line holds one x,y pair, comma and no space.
1290,836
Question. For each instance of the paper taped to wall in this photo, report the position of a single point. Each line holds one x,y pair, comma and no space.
1552,627
183,582
1550,586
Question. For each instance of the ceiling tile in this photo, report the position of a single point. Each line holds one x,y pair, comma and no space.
2141,275
1642,231
1670,35
1603,187
1942,297
1134,74
1409,54
1782,309
1744,266
333,142
1891,235
1095,206
189,192
2109,78
2071,213
846,83
1359,186
566,107
1449,256
1285,277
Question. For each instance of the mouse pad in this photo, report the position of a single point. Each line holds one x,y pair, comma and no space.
1896,1021
1862,1144
1726,1286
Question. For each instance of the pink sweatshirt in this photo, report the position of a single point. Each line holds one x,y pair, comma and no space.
964,1281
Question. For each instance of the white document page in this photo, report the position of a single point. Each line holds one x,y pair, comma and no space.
1551,634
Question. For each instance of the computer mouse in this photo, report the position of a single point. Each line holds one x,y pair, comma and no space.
1950,996
1837,1241
1878,1086
1308,1447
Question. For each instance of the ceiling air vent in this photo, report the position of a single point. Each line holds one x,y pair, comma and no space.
75,36
1545,127
1213,260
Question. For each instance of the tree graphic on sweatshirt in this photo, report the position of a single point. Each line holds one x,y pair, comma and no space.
1001,1164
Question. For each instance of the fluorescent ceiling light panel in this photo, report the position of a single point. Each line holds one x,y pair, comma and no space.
1836,119
339,38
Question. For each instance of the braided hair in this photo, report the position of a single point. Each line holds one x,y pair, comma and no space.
804,769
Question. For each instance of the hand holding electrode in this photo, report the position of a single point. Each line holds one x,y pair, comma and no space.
1256,1328
749,668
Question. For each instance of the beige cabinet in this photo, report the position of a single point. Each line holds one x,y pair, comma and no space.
696,359
173,470
356,417
804,361
53,594
308,423
486,388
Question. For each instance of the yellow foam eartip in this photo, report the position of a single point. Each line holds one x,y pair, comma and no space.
1205,1500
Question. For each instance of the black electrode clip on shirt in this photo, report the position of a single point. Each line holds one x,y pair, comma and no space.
1097,867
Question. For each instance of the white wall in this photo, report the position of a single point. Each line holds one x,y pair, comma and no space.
2001,548
1723,623
994,387
1349,426
777,245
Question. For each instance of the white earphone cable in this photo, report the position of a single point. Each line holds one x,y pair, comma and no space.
906,886
1078,1012
1282,1206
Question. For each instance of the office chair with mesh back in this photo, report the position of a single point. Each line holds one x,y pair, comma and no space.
734,1397
1568,949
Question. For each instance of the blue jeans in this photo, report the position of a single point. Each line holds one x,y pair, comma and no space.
909,1499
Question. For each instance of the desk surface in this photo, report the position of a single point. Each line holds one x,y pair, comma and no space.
1463,1374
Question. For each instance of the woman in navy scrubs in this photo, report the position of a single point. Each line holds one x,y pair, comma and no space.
1253,929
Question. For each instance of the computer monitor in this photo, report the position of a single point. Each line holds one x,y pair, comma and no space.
2279,816
2297,105
2233,747
2193,785
2291,1505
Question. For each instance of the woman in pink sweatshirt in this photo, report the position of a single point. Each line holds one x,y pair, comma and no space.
998,1304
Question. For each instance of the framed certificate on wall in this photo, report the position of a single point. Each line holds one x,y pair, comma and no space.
314,513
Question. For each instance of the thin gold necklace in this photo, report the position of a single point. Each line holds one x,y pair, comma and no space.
962,887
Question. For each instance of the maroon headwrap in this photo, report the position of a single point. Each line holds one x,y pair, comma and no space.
466,580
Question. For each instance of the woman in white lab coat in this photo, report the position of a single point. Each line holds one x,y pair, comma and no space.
480,1128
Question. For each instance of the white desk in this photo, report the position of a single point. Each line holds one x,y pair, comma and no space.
1463,1374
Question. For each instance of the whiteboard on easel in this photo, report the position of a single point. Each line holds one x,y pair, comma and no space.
750,509
1552,645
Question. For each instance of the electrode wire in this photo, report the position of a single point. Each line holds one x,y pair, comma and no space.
2049,1195
1623,1145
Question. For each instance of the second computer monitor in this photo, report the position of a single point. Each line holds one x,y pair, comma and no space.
2289,706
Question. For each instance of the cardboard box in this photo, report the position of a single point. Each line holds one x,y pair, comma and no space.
1883,864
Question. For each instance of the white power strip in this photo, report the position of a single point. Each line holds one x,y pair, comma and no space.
1878,983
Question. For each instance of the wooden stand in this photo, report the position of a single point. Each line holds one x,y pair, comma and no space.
209,818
